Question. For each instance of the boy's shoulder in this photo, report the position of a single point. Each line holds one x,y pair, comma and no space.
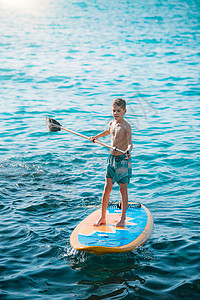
126,125
111,122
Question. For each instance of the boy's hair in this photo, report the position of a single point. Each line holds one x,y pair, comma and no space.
120,102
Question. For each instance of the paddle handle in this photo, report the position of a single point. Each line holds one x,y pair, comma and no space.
96,141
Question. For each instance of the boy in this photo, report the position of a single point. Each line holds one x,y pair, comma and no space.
119,167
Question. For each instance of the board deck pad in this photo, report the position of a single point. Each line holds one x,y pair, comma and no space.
109,238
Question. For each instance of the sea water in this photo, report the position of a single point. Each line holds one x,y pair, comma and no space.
69,60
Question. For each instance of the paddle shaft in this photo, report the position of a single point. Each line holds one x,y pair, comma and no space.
98,142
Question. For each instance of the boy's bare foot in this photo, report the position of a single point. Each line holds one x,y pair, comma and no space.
101,221
121,223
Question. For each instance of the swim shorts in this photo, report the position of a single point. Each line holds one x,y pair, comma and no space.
119,169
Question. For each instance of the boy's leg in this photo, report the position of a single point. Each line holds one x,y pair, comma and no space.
105,200
124,196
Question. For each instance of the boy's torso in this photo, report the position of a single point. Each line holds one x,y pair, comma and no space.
118,133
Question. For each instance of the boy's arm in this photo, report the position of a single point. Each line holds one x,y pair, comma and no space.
101,134
104,133
129,141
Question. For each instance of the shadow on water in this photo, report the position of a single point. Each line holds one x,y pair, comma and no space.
111,276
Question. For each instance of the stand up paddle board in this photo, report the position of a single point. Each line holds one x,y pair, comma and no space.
108,238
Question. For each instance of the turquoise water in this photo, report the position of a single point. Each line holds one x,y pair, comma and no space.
69,60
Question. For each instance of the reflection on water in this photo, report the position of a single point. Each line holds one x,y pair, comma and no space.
110,275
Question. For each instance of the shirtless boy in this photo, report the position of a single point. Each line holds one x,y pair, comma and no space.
119,167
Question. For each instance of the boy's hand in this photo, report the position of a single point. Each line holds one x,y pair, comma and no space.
92,139
128,154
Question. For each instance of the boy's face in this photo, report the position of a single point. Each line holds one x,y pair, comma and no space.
118,112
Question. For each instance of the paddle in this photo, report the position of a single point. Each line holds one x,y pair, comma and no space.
53,125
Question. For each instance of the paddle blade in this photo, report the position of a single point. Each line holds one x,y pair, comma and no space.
53,125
